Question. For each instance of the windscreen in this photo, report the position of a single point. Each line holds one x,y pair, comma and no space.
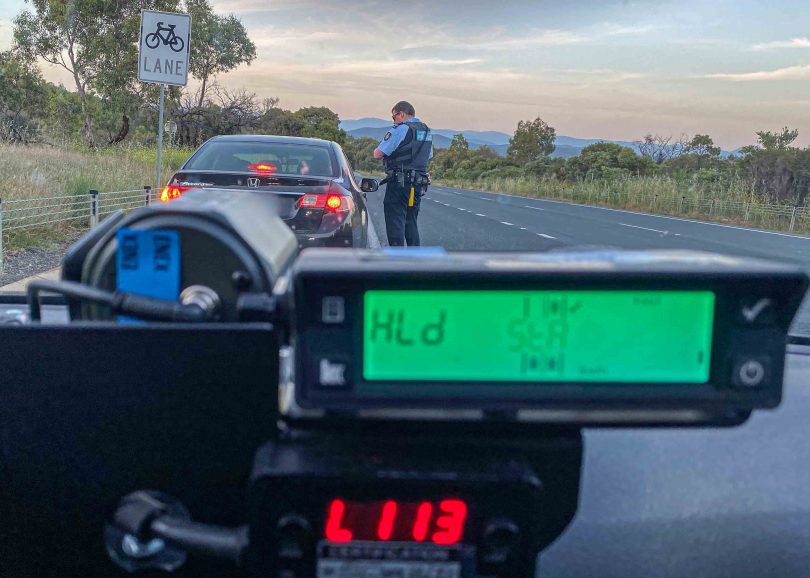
514,336
264,158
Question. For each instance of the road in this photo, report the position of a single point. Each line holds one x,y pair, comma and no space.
667,502
463,220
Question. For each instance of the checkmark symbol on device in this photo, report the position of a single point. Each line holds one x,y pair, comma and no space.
751,313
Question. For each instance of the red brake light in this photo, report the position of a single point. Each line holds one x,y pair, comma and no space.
263,167
331,202
170,192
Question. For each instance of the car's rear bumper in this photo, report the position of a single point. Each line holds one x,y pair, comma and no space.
342,236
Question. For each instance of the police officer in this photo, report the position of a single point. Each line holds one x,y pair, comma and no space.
406,150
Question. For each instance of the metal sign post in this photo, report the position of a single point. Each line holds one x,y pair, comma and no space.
163,58
160,136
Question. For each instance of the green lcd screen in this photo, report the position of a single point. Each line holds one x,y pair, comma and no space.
516,336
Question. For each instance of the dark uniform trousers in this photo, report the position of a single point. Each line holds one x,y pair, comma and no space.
400,219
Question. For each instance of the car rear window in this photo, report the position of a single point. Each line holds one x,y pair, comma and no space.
264,157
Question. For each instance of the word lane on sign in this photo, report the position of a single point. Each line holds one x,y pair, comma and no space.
164,47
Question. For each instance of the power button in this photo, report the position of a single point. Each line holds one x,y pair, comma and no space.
750,372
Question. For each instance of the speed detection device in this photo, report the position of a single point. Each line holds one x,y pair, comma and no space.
594,337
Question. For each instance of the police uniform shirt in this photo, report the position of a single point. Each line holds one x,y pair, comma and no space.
394,137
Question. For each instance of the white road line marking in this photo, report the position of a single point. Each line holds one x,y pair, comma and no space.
479,215
505,223
645,228
523,228
648,229
485,199
535,208
545,236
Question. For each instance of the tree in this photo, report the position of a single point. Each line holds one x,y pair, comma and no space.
313,115
608,160
486,152
702,145
23,97
458,151
360,152
320,122
532,140
448,159
776,169
772,141
282,122
659,149
63,113
220,44
94,40
540,168
459,147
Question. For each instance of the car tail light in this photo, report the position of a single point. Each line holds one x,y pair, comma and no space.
329,202
170,192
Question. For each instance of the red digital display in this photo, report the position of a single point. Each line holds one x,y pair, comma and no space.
441,522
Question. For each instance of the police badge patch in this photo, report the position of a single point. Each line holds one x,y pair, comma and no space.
387,135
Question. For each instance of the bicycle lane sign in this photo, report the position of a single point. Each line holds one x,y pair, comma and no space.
164,47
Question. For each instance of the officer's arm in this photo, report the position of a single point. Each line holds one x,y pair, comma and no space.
390,141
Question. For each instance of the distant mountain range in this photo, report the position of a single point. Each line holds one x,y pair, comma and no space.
567,146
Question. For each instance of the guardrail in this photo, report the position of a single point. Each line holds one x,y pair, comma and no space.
91,207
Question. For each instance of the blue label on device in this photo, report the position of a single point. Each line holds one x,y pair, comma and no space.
148,263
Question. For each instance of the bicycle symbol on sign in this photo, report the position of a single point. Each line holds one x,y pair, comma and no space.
167,35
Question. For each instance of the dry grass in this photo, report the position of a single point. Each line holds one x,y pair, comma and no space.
35,172
731,202
28,172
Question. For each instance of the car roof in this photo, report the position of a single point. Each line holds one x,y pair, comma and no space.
271,138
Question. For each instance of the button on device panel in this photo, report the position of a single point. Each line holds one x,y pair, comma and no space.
751,372
294,537
333,372
501,536
333,310
758,310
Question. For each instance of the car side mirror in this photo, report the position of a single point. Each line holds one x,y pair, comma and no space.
369,185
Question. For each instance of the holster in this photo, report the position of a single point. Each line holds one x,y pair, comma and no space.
392,175
420,181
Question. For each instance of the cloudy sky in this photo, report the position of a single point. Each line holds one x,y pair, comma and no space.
601,69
